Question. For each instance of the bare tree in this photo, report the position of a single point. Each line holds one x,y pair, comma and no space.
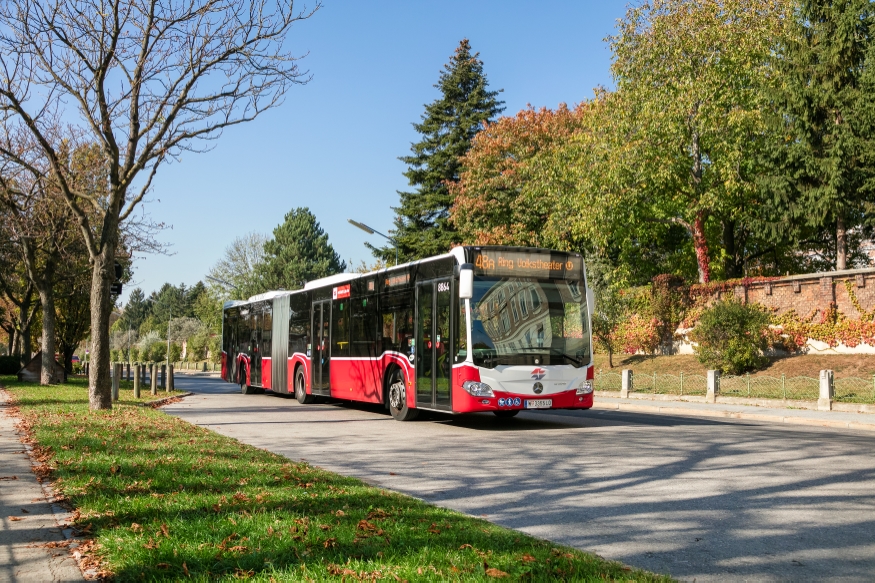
235,274
150,79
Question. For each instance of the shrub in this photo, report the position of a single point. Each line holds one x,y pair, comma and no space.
175,352
732,337
158,351
115,355
9,364
135,354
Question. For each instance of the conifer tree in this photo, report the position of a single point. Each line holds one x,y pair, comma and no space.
449,123
299,252
820,169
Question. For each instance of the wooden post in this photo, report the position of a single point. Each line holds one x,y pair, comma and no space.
170,387
154,378
116,377
164,376
136,380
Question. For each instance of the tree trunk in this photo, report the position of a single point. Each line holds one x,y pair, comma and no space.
700,243
47,299
610,358
732,267
841,245
25,320
99,382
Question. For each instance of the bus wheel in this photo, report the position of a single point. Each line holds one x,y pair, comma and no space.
506,414
300,390
398,398
246,389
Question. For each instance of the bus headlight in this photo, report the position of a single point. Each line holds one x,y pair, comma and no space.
584,388
477,389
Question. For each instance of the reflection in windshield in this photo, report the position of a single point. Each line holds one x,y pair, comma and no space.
519,321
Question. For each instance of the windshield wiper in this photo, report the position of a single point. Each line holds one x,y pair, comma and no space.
568,356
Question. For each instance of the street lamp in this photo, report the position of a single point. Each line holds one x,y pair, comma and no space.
222,281
371,231
169,320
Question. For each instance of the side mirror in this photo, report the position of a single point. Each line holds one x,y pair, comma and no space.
466,281
590,301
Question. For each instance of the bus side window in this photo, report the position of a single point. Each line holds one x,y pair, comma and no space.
363,338
340,328
396,318
461,333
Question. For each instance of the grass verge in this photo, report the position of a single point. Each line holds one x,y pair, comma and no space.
165,500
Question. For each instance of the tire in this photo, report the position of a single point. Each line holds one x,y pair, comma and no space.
301,389
506,414
244,388
397,397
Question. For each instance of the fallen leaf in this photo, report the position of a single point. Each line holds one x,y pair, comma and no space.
340,513
25,510
392,474
136,527
15,518
330,543
496,573
165,531
325,526
185,569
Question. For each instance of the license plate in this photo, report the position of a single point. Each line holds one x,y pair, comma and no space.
539,403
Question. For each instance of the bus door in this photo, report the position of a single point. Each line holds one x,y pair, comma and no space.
320,365
433,366
255,347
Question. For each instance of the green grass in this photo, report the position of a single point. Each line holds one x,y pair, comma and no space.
168,500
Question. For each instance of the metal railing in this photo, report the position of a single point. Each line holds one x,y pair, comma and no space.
846,389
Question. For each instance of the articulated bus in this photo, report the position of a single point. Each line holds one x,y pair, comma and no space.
497,329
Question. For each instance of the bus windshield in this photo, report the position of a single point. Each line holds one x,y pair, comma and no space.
529,321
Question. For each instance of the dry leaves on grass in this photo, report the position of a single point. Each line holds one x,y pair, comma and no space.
496,573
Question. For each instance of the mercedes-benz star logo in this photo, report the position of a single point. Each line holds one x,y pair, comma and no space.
538,388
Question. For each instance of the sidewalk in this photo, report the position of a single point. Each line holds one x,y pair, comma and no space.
667,406
27,519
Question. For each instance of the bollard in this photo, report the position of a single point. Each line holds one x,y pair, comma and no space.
626,386
128,368
136,381
170,387
116,377
164,376
205,367
713,386
153,374
827,391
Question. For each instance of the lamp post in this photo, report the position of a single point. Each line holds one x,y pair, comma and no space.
221,281
371,231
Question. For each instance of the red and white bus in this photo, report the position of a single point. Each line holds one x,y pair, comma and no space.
497,329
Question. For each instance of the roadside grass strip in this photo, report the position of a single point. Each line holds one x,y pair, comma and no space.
165,500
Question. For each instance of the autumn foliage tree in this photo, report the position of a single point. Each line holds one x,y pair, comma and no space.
511,186
689,79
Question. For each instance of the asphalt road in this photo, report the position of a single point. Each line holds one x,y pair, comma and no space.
694,498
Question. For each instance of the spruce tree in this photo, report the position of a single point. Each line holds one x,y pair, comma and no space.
449,123
299,252
820,168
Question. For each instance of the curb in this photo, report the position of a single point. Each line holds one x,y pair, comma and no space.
789,420
159,402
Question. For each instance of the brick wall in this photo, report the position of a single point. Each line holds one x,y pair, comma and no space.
814,292
808,295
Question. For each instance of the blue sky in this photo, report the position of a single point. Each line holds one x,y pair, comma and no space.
333,146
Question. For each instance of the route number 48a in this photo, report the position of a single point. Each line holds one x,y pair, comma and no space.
444,286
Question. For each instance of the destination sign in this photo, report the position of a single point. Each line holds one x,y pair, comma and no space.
521,264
